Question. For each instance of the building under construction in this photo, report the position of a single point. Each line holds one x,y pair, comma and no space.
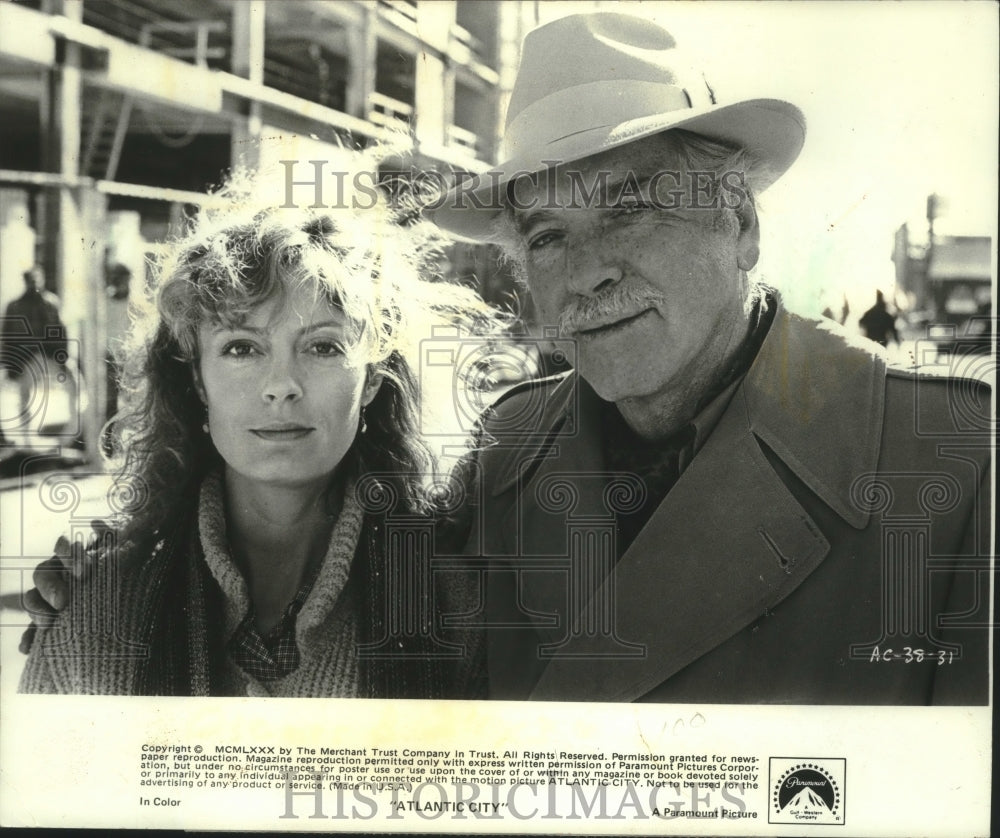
117,115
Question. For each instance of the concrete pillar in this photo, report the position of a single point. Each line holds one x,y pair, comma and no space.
248,62
94,336
514,22
362,59
447,97
72,239
60,127
434,22
17,243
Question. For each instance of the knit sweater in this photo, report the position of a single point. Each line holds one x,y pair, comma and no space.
326,630
158,624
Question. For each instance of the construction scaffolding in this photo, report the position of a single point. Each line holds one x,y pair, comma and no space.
116,117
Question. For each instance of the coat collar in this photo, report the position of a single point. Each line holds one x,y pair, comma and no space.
815,396
811,387
728,543
548,421
698,572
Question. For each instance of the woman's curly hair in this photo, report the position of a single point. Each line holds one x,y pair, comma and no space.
244,248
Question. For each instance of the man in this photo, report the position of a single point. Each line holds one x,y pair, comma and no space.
725,501
34,347
878,324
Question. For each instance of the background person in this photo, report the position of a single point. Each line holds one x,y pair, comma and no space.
878,324
34,349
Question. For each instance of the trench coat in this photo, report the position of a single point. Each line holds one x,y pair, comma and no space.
827,544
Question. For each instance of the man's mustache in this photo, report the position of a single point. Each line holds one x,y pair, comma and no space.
620,302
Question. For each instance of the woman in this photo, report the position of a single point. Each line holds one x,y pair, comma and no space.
272,425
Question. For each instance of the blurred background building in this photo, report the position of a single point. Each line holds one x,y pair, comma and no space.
945,276
944,282
117,115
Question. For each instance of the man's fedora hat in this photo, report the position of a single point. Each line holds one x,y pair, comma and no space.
591,82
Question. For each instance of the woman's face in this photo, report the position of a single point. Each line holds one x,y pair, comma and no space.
283,402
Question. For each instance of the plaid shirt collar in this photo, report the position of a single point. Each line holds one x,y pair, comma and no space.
273,655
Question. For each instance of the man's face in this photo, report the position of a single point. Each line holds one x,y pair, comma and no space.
655,296
33,280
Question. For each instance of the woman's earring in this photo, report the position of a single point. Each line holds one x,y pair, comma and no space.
204,425
364,424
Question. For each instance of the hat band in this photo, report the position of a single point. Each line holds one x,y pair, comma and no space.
586,107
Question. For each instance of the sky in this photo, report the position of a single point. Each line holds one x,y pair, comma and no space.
900,100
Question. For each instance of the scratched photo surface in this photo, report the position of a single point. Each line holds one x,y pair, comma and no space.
689,417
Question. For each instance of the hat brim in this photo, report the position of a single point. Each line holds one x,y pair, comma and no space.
772,131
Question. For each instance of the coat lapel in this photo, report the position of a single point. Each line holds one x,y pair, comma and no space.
728,542
560,480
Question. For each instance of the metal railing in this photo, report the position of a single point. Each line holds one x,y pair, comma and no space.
386,111
199,52
406,8
469,41
463,138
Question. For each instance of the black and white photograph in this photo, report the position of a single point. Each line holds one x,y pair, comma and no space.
474,416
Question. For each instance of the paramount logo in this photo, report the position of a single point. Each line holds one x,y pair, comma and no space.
807,790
